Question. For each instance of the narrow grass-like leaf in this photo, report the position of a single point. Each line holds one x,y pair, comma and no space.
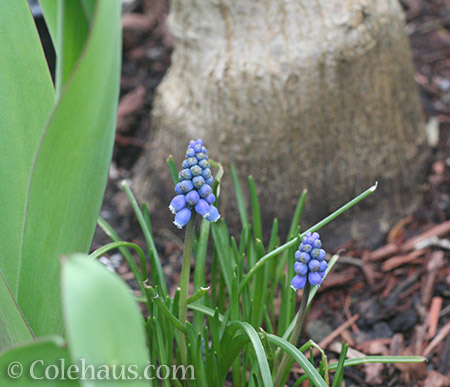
155,263
200,255
110,330
205,310
239,198
258,348
370,360
198,294
173,169
26,100
256,212
299,358
295,241
164,309
139,274
297,214
15,329
70,171
339,375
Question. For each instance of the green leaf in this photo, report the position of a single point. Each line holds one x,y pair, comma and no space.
299,358
295,241
103,322
14,329
258,347
26,99
256,213
239,197
72,31
70,171
34,358
339,375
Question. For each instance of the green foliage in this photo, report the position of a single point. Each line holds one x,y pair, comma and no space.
56,151
110,329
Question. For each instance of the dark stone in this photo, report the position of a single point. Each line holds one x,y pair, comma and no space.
370,311
404,321
381,329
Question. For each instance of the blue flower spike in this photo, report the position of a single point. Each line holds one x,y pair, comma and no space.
194,189
310,265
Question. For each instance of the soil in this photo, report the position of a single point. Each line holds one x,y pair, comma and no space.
393,300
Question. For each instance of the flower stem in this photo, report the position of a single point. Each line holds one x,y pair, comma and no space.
184,285
301,316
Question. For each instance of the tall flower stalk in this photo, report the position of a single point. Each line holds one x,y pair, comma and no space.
310,268
194,194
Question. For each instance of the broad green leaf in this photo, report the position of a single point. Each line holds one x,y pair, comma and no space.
72,32
75,25
13,326
33,359
70,171
26,99
103,323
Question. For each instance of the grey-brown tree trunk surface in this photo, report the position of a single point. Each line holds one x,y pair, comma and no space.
299,94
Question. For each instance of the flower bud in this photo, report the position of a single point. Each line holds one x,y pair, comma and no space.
298,282
186,186
192,198
182,217
203,163
204,190
314,278
301,268
210,198
185,174
202,208
177,203
198,181
314,265
214,215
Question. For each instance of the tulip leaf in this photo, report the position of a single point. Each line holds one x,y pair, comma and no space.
33,360
70,171
110,329
13,327
26,99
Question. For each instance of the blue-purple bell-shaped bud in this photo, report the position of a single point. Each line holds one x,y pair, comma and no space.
192,198
211,198
198,181
301,268
186,186
177,203
205,190
214,215
298,282
314,278
202,208
182,217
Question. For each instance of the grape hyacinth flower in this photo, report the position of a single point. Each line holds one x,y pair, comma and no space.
194,190
310,265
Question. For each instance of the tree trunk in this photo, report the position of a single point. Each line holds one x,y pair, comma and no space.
300,94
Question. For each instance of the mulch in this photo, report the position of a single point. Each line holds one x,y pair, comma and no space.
394,300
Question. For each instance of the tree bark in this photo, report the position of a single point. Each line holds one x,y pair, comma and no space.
300,94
